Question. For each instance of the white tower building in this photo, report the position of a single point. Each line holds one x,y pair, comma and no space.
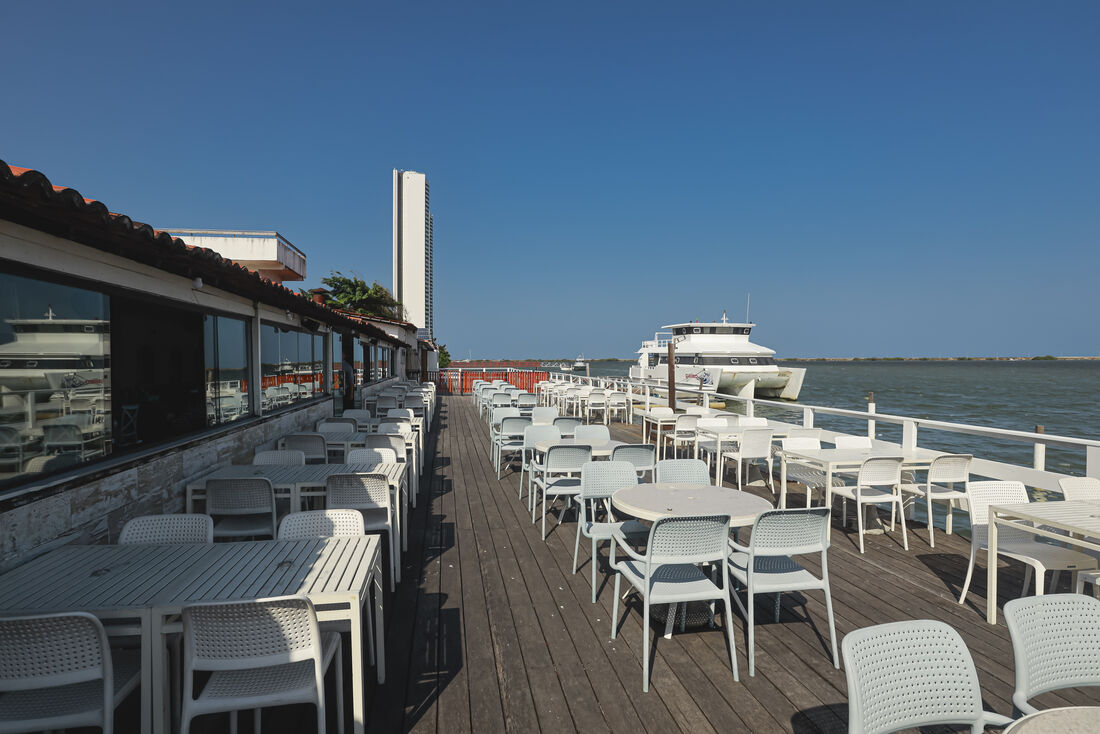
413,282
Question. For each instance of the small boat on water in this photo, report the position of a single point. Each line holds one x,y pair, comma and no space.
717,356
580,364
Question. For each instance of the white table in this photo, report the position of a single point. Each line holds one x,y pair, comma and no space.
297,481
831,461
599,448
663,499
1080,521
659,422
1066,720
148,583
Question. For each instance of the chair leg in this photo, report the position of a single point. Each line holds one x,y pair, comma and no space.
970,572
728,622
338,661
751,643
594,570
645,645
950,514
577,546
904,533
832,625
932,521
1028,571
859,524
778,602
544,514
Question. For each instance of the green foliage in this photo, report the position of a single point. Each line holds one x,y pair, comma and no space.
354,294
444,357
1045,356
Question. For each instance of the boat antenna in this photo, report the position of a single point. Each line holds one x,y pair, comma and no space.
748,298
724,319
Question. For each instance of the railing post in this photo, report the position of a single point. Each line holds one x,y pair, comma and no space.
706,400
750,408
1092,461
871,409
908,435
1040,451
807,417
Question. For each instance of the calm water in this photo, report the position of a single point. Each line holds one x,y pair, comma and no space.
1062,396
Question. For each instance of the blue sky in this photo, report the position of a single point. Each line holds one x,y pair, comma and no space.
914,178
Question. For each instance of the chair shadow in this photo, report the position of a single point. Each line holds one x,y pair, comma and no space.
439,664
827,719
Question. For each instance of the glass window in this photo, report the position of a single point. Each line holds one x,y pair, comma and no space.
318,364
339,379
55,377
292,364
359,363
225,341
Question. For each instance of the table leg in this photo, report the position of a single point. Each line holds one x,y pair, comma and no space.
151,694
379,626
403,489
358,707
991,571
783,484
829,497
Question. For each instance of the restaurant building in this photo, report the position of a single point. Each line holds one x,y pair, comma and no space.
131,362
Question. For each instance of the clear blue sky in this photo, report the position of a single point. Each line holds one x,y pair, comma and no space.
885,178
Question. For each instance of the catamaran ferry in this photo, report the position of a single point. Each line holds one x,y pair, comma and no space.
718,356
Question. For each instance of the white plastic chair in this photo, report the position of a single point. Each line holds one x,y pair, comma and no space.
509,439
709,447
658,411
876,484
682,471
597,432
754,444
311,444
1012,542
767,565
543,415
337,425
852,442
400,413
599,481
948,470
597,403
392,441
370,494
912,674
568,425
58,672
556,480
386,402
269,652
669,572
1055,644
809,476
167,530
533,434
618,405
643,456
285,457
361,416
242,507
683,433
322,524
372,456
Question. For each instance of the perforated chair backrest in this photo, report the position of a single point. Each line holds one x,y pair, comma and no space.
337,424
685,471
880,471
372,456
980,495
501,399
544,415
400,413
567,425
357,491
284,457
1086,489
167,530
50,650
499,414
255,634
852,442
692,539
533,434
616,400
642,456
242,496
311,444
909,674
321,524
756,443
601,479
527,400
686,423
791,532
1056,643
711,422
385,402
804,443
592,433
567,458
950,468
405,429
392,441
752,421
513,426
661,410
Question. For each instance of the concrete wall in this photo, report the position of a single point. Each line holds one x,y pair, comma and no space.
95,512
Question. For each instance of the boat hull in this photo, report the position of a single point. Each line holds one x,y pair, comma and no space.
784,383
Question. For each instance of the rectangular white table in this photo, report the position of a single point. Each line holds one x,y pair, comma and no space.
1080,521
831,461
148,583
296,482
658,421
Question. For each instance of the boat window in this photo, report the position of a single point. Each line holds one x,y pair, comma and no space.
752,360
695,360
734,360
696,330
55,382
225,346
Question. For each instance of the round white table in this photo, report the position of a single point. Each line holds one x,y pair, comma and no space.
654,501
1068,720
599,448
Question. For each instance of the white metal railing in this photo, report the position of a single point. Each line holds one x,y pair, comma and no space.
1034,476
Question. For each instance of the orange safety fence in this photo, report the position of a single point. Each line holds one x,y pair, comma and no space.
461,382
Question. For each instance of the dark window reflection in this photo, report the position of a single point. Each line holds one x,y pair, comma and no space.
291,365
225,342
55,376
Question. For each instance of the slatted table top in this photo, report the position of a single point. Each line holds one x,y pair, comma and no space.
284,477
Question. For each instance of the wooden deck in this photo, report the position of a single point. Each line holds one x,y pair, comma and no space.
490,631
